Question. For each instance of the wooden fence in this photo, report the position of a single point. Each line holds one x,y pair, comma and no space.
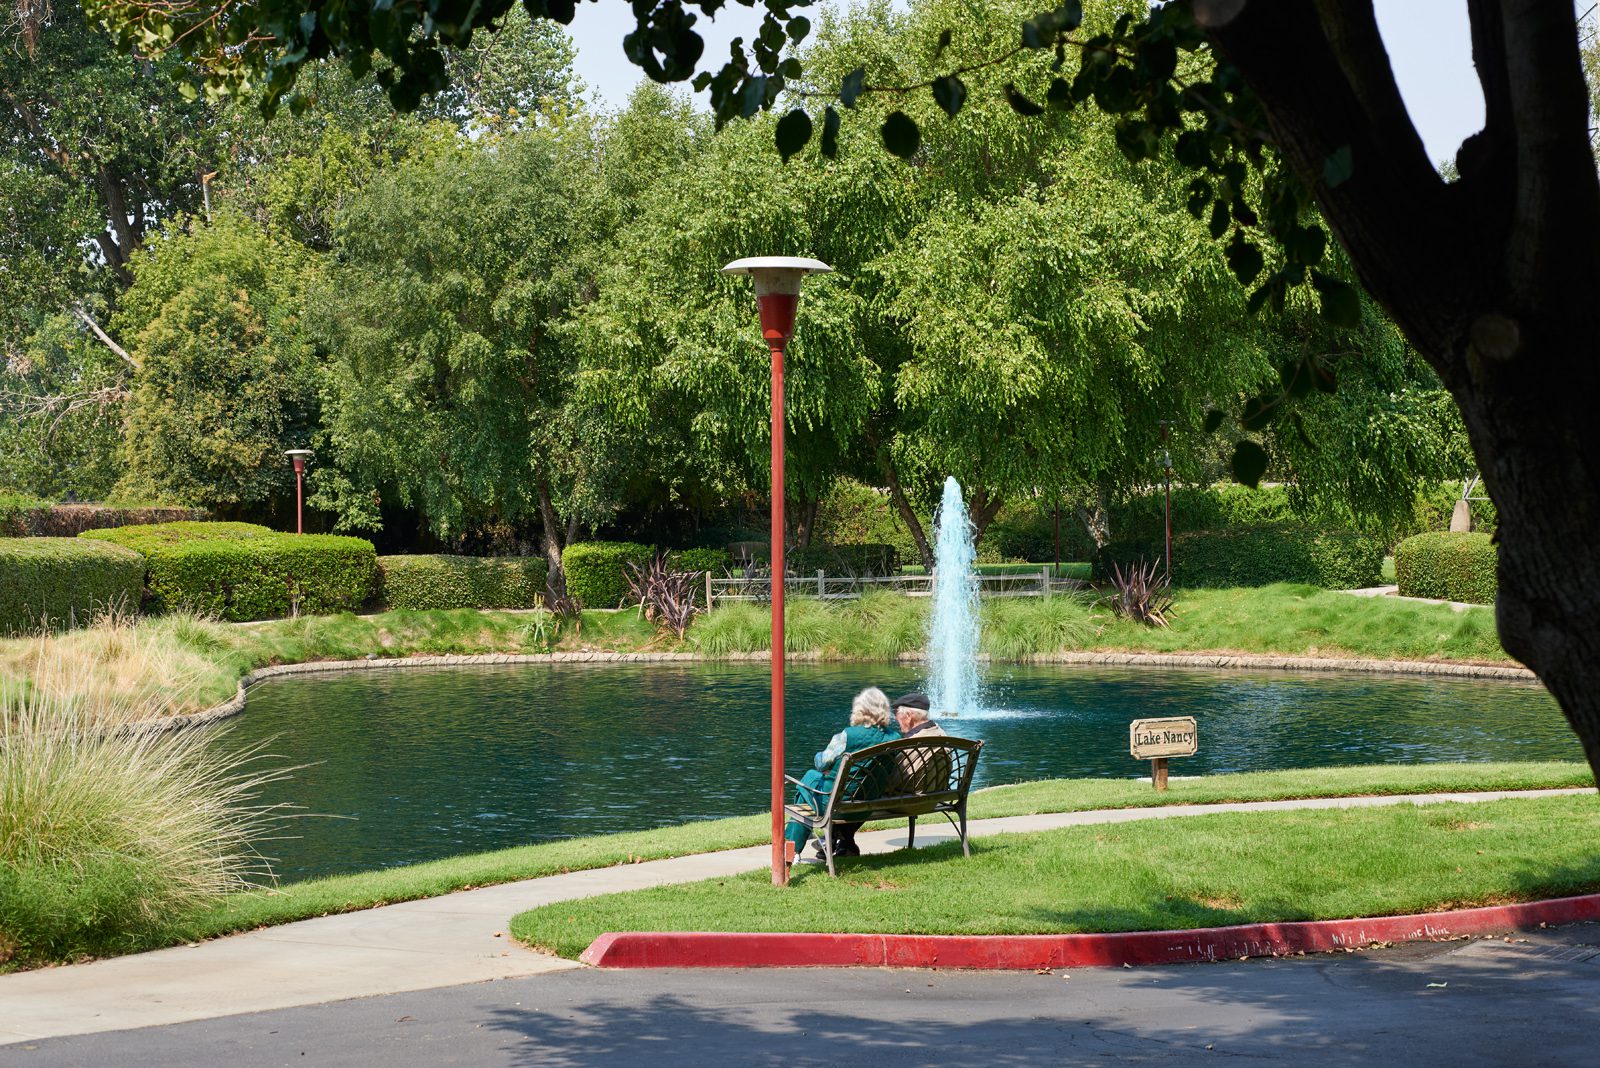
826,587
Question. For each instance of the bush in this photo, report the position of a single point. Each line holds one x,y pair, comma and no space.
594,570
144,537
1450,567
44,520
715,561
853,513
240,571
864,559
14,509
1258,556
109,838
420,583
46,583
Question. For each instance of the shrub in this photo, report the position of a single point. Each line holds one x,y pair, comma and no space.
144,537
715,561
45,520
1451,567
594,570
420,583
1258,556
665,594
853,513
109,838
14,509
240,571
46,583
863,559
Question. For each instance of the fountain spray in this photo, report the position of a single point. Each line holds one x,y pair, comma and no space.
953,624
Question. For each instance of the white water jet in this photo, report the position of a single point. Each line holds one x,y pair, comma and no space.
953,624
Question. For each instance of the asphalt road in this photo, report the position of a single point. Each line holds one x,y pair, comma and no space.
1457,1004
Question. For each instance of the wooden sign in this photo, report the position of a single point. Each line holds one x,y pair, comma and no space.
1157,739
1152,738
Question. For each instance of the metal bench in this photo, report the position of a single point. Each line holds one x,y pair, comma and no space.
908,777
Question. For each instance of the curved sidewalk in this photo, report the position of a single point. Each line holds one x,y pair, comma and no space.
446,941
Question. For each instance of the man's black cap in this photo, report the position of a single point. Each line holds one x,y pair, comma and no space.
911,700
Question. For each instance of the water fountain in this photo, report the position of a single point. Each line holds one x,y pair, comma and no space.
953,686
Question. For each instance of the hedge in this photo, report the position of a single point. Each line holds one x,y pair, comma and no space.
47,583
594,570
1259,556
44,520
864,559
715,561
241,571
425,582
1450,567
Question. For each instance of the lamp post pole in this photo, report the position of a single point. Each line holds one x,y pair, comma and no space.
298,457
1166,470
777,282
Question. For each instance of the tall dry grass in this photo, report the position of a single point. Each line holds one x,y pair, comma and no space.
110,835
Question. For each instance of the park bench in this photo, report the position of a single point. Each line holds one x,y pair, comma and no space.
905,778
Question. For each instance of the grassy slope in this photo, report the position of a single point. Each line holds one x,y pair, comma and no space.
349,892
1202,872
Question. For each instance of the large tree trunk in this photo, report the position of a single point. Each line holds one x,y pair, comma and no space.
550,537
1096,517
1492,277
902,506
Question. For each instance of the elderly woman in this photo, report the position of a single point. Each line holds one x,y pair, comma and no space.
869,725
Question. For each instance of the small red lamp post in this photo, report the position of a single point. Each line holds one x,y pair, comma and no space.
298,456
777,280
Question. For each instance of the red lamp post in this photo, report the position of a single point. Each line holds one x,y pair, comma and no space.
298,456
777,281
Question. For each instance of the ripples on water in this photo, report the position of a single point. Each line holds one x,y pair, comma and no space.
434,762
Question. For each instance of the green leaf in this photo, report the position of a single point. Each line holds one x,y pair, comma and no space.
1213,421
1337,168
1199,196
1244,259
1341,304
1258,411
850,88
1021,104
793,131
949,92
1249,463
900,135
830,133
798,27
1059,96
944,42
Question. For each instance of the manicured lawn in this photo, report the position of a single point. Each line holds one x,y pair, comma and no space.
346,893
1203,871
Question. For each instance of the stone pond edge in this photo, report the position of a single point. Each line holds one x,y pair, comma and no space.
1237,661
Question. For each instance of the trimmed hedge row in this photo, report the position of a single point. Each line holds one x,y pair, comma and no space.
866,558
48,583
240,571
1259,556
420,583
594,570
43,520
1450,567
715,561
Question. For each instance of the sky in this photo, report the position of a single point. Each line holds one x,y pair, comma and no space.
1428,44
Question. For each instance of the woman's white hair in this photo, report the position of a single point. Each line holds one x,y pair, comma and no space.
870,709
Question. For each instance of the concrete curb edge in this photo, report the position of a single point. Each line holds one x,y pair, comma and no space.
657,949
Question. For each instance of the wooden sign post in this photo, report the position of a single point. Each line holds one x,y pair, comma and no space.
1157,739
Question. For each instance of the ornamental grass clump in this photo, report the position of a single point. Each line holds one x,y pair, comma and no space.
111,837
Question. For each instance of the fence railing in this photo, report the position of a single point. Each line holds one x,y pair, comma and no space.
823,586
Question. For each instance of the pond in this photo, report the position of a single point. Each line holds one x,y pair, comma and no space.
430,762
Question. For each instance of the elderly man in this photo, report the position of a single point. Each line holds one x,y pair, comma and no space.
911,716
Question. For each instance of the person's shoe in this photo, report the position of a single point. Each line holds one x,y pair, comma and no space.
811,858
847,849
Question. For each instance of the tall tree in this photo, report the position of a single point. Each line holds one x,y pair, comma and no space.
449,382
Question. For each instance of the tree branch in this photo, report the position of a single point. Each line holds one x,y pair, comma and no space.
94,328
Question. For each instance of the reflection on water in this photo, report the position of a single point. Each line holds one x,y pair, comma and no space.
433,762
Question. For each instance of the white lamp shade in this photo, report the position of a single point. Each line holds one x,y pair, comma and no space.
777,274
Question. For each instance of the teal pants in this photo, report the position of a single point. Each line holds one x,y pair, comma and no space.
813,792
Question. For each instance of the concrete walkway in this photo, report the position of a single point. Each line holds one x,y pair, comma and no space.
443,941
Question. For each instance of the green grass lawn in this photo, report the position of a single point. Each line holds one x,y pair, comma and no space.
1203,871
345,893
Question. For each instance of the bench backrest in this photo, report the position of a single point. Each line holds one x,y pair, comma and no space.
931,766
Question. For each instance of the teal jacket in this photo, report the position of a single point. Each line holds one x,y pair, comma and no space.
846,741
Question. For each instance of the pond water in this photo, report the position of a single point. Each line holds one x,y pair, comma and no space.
426,763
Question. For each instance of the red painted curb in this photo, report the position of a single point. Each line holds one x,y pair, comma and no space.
673,949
